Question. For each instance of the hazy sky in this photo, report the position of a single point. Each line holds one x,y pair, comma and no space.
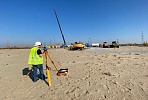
22,22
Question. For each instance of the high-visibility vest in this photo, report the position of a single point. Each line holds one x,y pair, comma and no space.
34,58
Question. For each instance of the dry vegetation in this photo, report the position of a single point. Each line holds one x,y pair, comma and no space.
28,47
16,47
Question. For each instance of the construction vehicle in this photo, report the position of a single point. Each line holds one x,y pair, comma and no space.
95,44
87,44
60,29
114,45
100,45
58,45
105,45
77,46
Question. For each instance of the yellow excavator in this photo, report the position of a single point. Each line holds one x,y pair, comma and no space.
77,46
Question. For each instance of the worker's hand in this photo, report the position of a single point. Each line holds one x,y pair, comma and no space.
48,67
41,55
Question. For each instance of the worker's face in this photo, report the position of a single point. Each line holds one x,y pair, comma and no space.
39,46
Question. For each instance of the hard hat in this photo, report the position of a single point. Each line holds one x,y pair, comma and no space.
37,43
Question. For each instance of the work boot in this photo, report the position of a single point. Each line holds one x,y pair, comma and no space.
43,77
35,80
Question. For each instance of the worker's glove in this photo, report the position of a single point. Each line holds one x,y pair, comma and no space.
48,67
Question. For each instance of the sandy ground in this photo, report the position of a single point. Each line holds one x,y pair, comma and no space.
93,75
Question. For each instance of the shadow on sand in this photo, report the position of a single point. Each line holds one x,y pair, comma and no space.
29,73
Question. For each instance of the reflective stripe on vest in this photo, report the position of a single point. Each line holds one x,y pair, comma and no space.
34,58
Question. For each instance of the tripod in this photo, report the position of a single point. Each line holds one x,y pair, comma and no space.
46,60
47,66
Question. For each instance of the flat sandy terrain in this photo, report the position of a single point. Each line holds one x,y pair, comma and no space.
94,75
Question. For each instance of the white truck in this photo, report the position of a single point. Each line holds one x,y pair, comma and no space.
95,44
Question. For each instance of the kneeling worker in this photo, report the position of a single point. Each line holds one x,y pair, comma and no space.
36,60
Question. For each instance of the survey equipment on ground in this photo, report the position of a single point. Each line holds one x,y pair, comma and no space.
63,72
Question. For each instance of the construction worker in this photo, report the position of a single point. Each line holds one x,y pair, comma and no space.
36,60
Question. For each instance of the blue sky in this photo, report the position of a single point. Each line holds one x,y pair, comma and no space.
22,22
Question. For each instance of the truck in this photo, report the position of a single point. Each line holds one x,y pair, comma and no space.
114,45
95,44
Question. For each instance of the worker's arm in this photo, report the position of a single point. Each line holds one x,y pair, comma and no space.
39,52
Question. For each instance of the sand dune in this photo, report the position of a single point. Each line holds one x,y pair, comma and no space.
93,76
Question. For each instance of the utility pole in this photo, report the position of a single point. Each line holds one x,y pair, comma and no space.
90,41
50,41
44,43
142,39
54,42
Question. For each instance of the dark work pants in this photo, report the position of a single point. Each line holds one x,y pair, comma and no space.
41,72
